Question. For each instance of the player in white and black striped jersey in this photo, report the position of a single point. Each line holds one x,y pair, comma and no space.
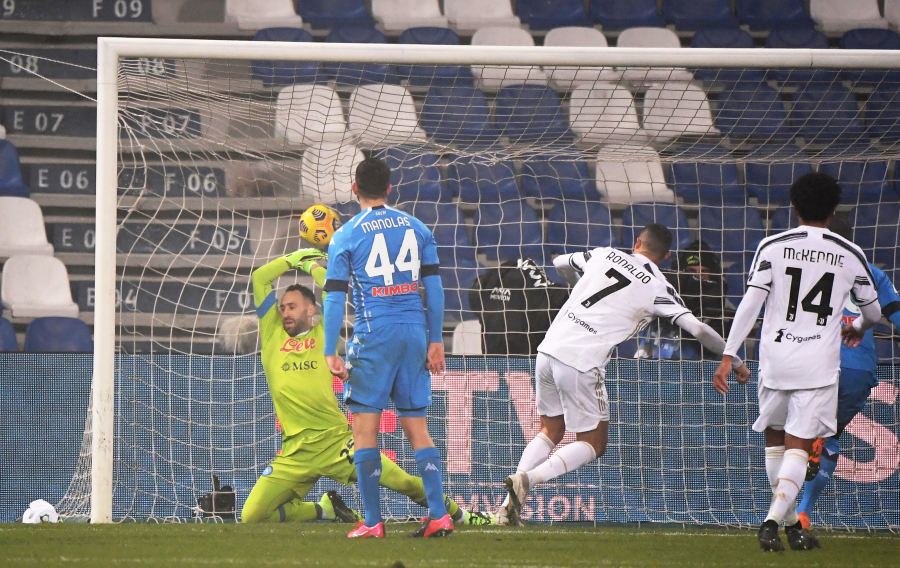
617,295
804,277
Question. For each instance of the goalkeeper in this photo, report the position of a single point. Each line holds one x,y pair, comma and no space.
316,439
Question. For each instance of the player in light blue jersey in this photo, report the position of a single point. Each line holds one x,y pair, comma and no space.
385,255
858,378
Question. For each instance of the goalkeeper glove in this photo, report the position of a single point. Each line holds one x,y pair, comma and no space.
303,259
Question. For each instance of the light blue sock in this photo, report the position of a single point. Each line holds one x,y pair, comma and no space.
428,460
368,475
827,464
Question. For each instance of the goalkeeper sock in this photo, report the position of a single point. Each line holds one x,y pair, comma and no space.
535,453
790,478
368,475
428,460
567,459
827,465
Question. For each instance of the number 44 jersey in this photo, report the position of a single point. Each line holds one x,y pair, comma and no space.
616,297
808,272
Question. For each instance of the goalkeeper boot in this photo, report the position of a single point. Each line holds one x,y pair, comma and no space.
815,458
362,531
334,509
433,528
769,540
804,520
517,486
479,518
799,538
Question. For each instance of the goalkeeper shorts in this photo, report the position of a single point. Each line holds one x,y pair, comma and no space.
331,458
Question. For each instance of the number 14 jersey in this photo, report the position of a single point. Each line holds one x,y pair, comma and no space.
616,297
808,273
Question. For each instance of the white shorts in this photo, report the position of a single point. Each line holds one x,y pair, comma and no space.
804,413
579,397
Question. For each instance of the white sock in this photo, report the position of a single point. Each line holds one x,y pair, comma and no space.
790,479
534,454
565,460
774,457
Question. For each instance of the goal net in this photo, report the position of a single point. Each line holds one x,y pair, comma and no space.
209,151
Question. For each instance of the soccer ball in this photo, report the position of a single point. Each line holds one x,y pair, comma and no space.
318,224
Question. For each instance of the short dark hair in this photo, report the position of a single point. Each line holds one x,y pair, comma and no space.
657,239
304,291
815,196
373,178
841,226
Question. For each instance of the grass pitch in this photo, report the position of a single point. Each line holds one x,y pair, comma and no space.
314,544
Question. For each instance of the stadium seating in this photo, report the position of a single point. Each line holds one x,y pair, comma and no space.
457,282
770,171
384,115
11,182
433,75
8,340
711,180
835,16
458,115
495,77
398,15
782,220
862,182
732,231
823,115
875,231
622,180
36,286
651,37
754,110
698,14
471,15
475,180
799,38
883,114
725,38
604,113
352,74
448,225
565,78
508,230
548,14
574,226
871,39
346,209
735,283
770,14
615,15
676,109
639,215
892,12
259,14
414,176
333,13
284,72
58,335
531,114
309,114
22,228
554,179
327,171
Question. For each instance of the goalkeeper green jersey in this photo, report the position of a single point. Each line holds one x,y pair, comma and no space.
299,381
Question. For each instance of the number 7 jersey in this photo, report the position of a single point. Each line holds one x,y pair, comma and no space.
383,253
808,272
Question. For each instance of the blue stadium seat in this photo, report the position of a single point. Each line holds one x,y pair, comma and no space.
457,282
823,115
871,39
875,230
11,182
888,351
862,182
754,110
800,38
458,115
616,15
332,13
508,230
772,14
557,179
639,215
347,210
449,228
531,113
354,74
578,225
732,231
883,114
549,14
736,283
433,75
7,336
697,14
285,72
480,181
724,37
58,335
711,180
770,171
783,219
414,176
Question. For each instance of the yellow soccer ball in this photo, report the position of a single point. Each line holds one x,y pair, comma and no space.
318,224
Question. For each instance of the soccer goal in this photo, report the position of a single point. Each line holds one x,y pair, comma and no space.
208,151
